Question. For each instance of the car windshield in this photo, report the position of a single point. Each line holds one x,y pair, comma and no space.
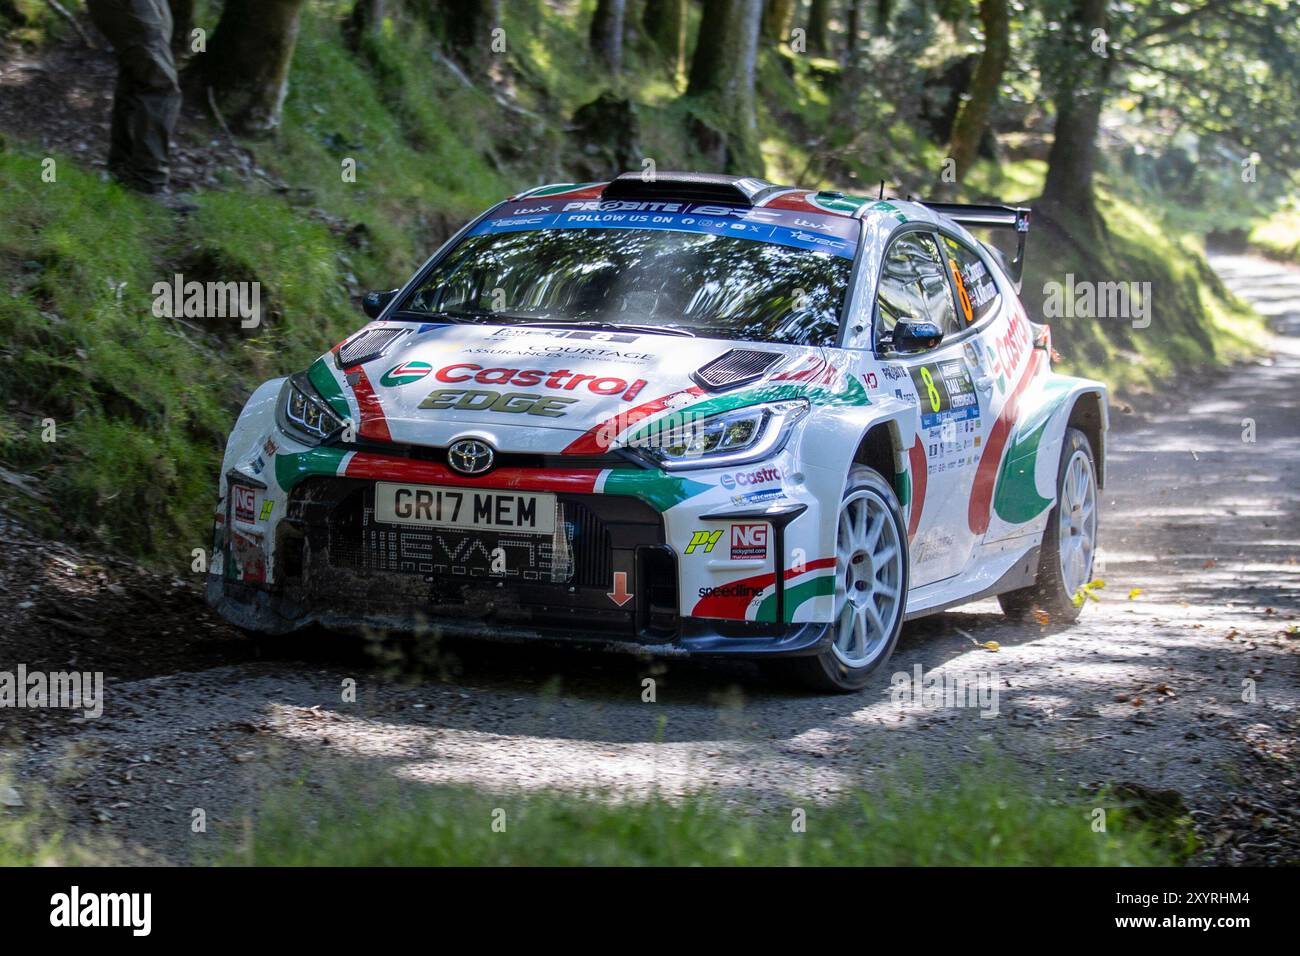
646,279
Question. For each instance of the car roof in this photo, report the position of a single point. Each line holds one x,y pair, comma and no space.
748,191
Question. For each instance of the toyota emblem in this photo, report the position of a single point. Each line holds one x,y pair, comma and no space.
470,456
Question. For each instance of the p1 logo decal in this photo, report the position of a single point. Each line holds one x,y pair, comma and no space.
405,373
703,541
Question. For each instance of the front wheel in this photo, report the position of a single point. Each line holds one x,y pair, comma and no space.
1070,541
870,587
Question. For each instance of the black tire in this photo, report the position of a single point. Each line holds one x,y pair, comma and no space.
1048,592
825,672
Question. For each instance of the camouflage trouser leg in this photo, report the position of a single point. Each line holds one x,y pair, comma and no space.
147,98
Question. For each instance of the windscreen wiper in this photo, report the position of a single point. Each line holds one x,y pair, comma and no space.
611,326
457,318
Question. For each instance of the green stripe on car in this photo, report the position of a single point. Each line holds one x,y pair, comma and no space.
322,379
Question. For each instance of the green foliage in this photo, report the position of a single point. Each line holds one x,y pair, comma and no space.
133,455
142,403
1278,236
1194,321
986,815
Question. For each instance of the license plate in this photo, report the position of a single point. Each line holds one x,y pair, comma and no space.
434,506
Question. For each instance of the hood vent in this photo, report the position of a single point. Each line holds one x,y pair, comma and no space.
367,345
691,187
735,367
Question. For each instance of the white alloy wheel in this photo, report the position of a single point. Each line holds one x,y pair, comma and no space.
1078,517
868,579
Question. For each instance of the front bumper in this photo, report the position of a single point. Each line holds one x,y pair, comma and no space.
334,565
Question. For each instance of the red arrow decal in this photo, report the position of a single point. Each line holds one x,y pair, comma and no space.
619,595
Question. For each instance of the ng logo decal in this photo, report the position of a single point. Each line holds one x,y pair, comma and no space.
748,541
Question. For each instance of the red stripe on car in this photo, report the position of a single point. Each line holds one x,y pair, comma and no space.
373,423
732,606
596,441
391,468
986,475
920,470
797,201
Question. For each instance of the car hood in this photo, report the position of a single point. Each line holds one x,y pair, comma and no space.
541,390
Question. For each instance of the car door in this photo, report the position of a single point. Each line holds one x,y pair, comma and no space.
917,283
997,334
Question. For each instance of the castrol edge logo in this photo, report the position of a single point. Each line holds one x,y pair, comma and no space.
559,380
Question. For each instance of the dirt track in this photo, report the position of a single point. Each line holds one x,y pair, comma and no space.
1147,689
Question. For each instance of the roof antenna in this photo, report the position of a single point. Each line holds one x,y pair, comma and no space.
882,189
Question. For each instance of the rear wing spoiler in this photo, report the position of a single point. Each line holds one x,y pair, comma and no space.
992,217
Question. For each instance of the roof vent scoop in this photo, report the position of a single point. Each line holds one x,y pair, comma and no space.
368,344
734,368
691,187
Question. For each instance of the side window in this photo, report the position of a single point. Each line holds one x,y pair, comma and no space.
914,285
977,291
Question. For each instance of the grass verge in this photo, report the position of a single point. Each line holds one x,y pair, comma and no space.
989,816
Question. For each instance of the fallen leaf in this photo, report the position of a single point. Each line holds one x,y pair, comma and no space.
991,645
1209,563
1086,592
1134,593
1041,616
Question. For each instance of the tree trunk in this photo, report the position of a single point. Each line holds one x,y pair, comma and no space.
465,29
884,10
778,18
182,24
247,63
367,17
975,113
633,14
472,23
722,76
1082,75
725,53
819,15
852,27
606,34
664,23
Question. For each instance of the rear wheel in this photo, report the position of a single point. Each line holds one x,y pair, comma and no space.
870,587
1070,541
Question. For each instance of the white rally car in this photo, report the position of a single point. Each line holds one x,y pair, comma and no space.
695,415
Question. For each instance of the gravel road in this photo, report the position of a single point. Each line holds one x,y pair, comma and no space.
1201,563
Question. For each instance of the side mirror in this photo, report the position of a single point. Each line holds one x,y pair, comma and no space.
915,335
374,302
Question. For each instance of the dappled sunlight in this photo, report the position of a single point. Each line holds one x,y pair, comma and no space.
439,755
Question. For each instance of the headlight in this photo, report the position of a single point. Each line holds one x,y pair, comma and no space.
303,413
729,438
